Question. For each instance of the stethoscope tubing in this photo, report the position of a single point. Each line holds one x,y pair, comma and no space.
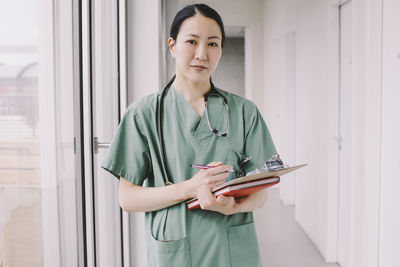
160,100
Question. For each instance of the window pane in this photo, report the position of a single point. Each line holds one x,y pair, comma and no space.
21,242
25,236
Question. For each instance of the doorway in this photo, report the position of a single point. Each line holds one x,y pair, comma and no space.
229,75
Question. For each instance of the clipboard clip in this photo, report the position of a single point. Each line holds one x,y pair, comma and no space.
273,164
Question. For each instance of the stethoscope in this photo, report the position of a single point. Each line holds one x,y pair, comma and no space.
160,100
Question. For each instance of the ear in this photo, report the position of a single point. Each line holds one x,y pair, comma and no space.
171,44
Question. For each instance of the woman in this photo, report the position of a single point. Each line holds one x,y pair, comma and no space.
192,122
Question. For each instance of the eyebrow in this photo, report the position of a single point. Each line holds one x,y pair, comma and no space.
211,37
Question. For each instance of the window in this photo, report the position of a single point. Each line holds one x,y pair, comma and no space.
38,197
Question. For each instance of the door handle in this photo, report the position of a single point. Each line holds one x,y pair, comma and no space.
97,145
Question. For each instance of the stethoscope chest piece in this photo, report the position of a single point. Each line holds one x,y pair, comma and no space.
224,133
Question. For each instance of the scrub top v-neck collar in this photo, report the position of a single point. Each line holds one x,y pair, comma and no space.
197,126
188,116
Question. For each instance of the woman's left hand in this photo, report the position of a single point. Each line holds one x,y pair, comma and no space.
223,204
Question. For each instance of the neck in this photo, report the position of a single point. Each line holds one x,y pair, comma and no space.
192,92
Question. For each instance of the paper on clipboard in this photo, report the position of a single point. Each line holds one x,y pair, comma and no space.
261,175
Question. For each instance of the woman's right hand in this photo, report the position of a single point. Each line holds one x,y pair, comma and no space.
207,178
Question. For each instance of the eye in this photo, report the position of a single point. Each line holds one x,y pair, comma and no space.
193,42
213,44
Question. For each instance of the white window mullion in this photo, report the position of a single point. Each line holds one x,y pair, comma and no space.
87,138
123,105
47,118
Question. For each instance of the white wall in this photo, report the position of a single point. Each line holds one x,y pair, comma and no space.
143,19
144,57
367,30
390,172
314,133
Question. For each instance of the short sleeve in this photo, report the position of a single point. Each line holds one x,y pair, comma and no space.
258,143
128,155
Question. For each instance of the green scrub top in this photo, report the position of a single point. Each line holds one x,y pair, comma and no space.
176,236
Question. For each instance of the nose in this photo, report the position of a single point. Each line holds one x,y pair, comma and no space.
201,52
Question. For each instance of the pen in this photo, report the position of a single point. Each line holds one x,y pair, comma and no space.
205,167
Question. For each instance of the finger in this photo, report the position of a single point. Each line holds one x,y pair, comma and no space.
201,170
222,199
211,186
210,196
222,168
218,177
215,163
218,183
205,197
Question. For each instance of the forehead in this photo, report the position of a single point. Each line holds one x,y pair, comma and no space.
200,25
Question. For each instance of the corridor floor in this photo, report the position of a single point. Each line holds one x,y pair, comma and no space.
282,241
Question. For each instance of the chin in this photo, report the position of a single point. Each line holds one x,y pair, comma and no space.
196,78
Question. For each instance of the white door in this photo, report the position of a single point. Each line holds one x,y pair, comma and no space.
345,141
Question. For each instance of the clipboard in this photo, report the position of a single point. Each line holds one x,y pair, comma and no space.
254,177
261,175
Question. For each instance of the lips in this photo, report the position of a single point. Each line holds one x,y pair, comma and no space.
199,67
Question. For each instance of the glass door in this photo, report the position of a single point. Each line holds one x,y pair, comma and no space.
105,108
102,108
